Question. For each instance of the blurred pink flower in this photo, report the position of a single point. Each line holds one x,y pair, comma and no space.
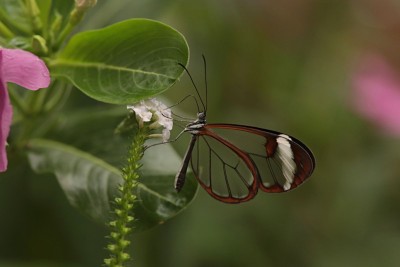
377,93
26,70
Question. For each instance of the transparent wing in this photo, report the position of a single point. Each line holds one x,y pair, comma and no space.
224,171
276,161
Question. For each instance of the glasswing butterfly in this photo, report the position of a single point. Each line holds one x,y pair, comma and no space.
268,160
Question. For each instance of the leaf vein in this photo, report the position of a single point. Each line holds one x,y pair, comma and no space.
106,66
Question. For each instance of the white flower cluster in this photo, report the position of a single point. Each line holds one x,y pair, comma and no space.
156,112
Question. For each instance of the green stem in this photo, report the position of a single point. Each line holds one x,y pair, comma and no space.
5,31
17,102
36,99
38,108
121,225
75,17
64,33
34,13
59,96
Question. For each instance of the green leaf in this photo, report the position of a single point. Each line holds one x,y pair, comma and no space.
90,183
125,62
159,200
87,181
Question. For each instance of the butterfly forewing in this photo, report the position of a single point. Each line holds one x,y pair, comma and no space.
224,171
276,161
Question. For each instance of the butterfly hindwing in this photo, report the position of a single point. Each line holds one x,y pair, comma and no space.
223,170
232,161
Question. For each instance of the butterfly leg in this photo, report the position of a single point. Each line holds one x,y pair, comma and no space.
181,175
166,142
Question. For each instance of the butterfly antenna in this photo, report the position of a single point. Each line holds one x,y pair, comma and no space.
186,97
181,118
205,80
194,85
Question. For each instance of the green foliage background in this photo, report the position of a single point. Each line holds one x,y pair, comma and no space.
273,64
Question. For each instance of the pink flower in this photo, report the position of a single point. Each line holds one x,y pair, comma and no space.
377,94
26,70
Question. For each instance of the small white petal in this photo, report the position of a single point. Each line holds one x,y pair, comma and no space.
165,135
141,111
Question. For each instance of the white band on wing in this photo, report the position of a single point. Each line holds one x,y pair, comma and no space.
285,154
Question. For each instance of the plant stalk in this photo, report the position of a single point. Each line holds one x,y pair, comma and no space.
121,226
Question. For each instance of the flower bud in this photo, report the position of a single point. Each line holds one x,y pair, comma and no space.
80,8
85,4
39,45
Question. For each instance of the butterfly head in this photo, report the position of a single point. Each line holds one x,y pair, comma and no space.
197,124
201,117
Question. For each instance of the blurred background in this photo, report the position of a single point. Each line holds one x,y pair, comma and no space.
326,72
